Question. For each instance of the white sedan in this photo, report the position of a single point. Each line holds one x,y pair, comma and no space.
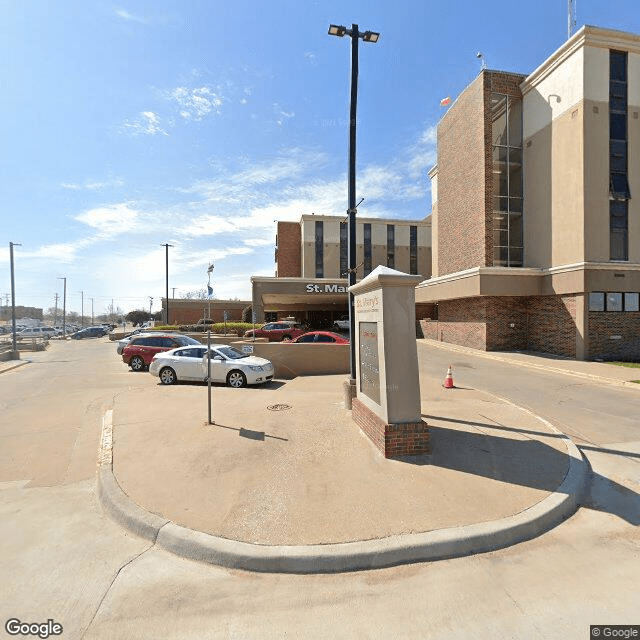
228,365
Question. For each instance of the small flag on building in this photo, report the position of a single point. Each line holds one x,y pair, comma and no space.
445,101
209,290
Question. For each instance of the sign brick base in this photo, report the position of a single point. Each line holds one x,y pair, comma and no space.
393,440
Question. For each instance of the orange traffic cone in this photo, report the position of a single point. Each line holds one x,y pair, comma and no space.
448,381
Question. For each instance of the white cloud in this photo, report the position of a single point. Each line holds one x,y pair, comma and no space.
147,124
281,115
110,220
93,185
196,104
125,15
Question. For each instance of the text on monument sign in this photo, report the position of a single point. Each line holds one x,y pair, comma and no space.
368,303
369,362
326,288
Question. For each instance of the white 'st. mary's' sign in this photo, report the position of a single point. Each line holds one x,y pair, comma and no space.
326,288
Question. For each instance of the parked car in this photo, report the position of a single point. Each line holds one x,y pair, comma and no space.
89,332
35,332
125,341
326,337
277,331
139,353
228,365
342,324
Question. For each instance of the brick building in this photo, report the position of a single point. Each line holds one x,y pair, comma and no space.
189,311
536,212
312,262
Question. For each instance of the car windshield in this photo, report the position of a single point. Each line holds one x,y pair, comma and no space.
231,353
183,341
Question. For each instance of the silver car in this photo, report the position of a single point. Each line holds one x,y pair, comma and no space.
228,365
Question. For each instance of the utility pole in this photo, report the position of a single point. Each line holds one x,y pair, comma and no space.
13,300
174,292
150,304
64,308
91,311
82,311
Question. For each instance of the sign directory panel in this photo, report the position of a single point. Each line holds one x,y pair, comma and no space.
369,361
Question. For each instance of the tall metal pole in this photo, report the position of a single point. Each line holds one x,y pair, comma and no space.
13,299
166,246
64,308
352,197
82,311
92,311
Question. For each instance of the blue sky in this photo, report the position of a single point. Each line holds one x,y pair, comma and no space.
126,125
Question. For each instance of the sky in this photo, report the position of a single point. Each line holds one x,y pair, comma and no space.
200,123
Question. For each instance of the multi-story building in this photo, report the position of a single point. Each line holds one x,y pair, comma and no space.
536,206
312,263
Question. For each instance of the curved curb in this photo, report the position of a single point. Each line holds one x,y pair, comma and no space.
349,556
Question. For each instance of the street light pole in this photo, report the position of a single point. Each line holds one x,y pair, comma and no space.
166,246
367,36
82,311
13,299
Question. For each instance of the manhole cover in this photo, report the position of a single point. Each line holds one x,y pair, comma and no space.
278,407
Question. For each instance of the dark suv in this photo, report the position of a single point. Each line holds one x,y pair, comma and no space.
139,353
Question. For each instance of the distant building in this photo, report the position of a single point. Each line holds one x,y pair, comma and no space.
536,206
189,311
312,263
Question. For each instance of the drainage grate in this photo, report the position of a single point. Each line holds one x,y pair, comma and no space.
278,407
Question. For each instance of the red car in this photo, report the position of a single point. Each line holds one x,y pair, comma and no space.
139,353
326,337
277,331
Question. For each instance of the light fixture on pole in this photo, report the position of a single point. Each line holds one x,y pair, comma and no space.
13,301
367,36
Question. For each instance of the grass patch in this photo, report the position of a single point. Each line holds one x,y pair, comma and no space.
632,365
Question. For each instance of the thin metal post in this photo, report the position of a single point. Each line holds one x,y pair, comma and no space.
209,374
13,299
166,246
352,195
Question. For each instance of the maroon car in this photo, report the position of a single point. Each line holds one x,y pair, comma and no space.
324,337
277,331
139,353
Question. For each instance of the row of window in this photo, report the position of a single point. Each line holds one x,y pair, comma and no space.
601,301
368,264
618,178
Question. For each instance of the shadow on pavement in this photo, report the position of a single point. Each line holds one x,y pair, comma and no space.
529,463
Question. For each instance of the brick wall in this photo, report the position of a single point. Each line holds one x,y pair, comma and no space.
392,440
552,325
603,325
465,175
461,182
540,323
288,257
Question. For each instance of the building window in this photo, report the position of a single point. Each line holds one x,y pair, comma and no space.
391,246
344,250
413,250
618,152
319,249
632,302
596,301
614,301
618,229
367,249
506,136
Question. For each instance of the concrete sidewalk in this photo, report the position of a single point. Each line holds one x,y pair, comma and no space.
285,481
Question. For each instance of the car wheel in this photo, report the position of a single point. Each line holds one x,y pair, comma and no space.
168,376
285,337
137,363
236,379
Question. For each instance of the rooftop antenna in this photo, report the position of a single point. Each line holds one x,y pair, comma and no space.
571,27
480,56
